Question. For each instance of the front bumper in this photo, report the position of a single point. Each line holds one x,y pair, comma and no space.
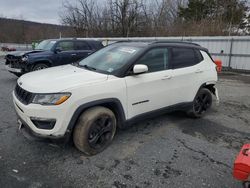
25,114
13,70
31,135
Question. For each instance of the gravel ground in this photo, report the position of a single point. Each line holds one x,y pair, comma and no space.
167,151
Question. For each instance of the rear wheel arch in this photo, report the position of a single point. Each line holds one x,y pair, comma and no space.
209,86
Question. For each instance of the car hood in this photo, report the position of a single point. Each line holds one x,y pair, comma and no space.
21,53
57,79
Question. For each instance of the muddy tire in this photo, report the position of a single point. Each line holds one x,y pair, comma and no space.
94,130
40,66
201,104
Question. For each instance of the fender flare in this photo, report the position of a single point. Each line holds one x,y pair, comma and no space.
209,86
114,103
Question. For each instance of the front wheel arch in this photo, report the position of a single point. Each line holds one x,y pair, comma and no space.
31,66
113,104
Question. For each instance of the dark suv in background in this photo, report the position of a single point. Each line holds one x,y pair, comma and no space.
49,53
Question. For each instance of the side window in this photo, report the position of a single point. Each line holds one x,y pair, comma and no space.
183,57
155,59
81,45
66,45
199,56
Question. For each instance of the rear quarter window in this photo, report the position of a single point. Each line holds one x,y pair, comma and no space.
185,57
198,55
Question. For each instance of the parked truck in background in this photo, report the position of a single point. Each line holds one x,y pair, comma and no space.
50,53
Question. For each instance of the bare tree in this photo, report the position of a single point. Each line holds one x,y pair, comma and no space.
148,17
83,17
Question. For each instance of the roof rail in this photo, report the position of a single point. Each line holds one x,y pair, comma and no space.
129,40
176,41
157,41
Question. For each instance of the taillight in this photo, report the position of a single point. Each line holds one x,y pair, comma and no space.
218,63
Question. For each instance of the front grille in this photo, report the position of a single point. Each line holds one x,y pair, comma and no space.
13,62
16,65
22,95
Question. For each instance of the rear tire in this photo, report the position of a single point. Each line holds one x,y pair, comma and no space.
201,104
94,130
40,66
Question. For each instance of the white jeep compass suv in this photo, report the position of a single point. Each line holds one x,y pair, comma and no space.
113,87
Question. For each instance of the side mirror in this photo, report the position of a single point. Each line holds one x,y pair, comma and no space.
58,49
138,69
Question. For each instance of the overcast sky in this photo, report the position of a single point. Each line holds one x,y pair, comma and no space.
45,11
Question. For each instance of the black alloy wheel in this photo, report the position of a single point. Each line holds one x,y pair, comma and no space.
94,130
201,104
40,67
100,132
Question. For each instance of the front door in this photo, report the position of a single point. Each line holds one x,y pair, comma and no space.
152,90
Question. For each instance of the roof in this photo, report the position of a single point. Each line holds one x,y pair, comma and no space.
77,39
161,43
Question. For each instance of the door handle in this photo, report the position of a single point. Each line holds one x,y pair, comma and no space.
199,71
167,77
73,54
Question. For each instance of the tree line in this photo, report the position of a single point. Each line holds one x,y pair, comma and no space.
20,31
135,18
130,18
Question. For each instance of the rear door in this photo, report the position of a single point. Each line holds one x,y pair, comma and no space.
187,66
82,50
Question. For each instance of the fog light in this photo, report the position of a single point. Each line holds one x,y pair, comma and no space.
43,123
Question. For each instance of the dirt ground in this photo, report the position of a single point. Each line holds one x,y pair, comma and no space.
167,151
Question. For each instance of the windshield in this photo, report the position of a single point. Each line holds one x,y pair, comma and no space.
109,59
45,45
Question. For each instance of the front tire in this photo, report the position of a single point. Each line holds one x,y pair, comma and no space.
201,104
94,130
40,66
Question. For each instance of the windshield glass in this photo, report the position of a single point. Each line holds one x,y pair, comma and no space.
45,45
110,58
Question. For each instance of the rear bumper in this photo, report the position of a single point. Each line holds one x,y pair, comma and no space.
217,96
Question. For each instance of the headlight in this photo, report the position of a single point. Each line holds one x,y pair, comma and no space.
24,58
51,99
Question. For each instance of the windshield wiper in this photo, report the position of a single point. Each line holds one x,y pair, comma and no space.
88,67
